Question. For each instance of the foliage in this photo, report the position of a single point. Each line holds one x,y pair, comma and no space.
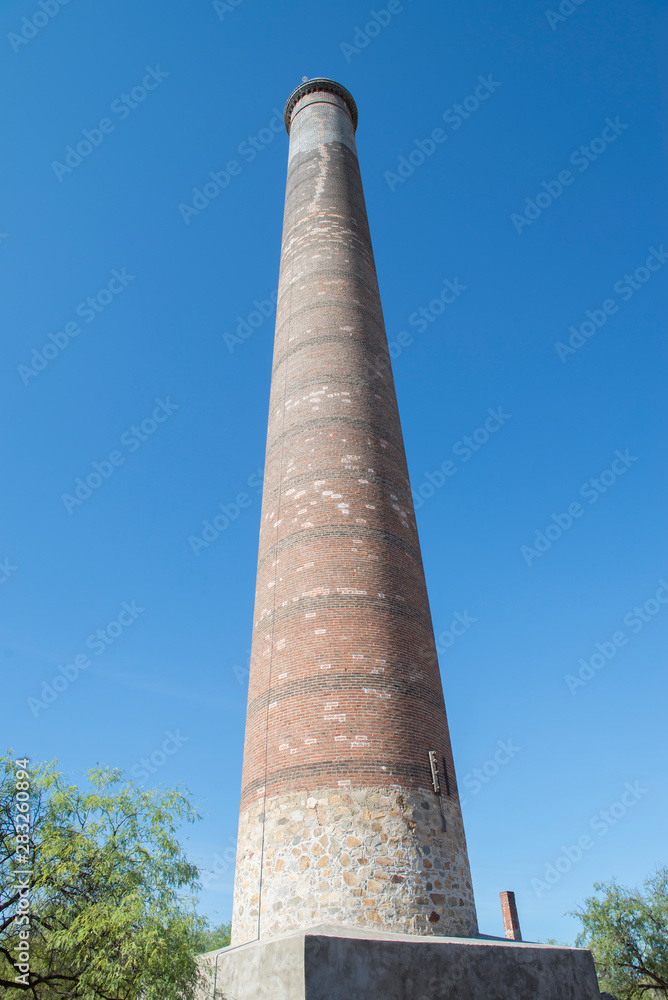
106,906
627,932
212,938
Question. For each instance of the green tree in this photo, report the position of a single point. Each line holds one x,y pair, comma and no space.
212,938
627,932
99,893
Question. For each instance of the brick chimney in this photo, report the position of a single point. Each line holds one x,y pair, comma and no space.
511,922
345,818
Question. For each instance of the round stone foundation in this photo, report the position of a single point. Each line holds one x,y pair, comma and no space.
361,857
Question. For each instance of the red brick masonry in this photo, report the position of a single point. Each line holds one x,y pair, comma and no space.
511,922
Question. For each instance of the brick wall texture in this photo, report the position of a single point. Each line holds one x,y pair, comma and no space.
345,698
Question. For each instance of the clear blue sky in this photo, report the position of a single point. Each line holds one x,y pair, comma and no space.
149,352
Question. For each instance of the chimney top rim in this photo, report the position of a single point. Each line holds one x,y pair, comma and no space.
319,83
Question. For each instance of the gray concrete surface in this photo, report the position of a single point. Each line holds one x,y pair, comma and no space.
342,963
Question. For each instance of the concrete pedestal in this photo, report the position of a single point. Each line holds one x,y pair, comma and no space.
342,963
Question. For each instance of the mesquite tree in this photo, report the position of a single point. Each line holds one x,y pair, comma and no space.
98,896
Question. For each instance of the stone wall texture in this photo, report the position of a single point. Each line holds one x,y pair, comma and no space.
362,857
345,699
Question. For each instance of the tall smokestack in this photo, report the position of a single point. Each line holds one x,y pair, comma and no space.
349,805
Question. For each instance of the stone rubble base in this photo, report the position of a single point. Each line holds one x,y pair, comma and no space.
360,856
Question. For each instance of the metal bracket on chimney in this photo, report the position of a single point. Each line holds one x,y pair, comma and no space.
436,781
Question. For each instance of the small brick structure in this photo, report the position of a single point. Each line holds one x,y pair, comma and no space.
511,922
340,821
